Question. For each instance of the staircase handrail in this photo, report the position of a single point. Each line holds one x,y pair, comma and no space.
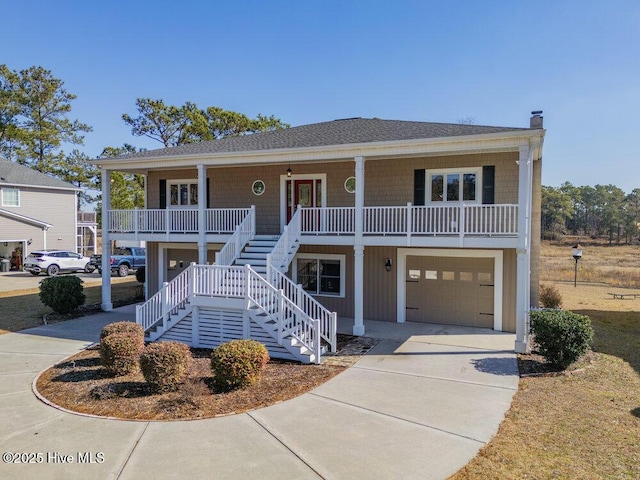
243,233
309,305
290,319
285,248
167,300
278,262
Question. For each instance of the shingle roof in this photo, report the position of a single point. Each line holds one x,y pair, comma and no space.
336,132
12,173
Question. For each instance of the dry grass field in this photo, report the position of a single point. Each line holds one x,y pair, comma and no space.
585,425
23,309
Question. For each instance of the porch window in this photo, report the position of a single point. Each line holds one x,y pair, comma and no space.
10,197
320,274
454,185
182,193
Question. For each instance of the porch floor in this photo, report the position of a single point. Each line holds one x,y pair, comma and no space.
452,335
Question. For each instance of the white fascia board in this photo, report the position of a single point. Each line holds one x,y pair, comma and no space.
39,187
491,142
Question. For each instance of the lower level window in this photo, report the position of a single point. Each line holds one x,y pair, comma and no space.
321,275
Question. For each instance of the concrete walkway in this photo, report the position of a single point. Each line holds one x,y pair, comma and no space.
419,405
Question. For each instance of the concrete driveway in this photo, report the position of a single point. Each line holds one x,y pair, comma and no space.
419,405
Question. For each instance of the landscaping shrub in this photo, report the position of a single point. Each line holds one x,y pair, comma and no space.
238,363
561,336
165,365
120,353
62,294
122,327
550,296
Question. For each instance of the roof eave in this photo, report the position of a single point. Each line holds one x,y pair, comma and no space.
496,142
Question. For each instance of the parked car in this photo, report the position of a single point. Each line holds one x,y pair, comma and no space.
123,260
53,262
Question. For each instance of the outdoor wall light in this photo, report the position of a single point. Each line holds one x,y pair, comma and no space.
30,241
577,255
289,172
388,264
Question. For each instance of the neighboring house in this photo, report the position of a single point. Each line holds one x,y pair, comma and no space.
36,212
368,218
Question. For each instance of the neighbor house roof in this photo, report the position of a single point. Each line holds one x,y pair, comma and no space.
25,219
14,174
336,132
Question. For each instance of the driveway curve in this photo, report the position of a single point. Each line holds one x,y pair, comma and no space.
419,405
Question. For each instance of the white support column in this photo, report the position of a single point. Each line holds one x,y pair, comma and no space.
106,305
523,267
202,214
358,248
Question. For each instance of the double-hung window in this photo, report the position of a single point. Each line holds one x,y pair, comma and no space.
10,197
321,274
182,193
454,185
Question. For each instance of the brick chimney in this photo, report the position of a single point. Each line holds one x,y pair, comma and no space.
536,119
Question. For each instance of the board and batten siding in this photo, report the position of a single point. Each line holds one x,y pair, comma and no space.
55,207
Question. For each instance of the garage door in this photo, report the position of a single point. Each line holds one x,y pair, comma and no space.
450,290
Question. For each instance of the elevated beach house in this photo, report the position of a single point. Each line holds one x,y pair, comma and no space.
273,235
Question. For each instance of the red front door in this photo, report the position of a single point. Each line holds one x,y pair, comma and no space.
304,193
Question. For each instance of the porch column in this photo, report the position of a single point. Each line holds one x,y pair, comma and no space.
523,267
202,214
106,305
358,248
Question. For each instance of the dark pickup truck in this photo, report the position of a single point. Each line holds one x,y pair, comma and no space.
123,260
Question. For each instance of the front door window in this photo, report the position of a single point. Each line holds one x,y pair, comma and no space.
306,193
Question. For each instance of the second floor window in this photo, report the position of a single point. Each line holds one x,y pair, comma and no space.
454,186
10,197
183,193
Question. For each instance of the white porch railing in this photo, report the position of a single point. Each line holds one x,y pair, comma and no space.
410,220
287,245
244,232
218,220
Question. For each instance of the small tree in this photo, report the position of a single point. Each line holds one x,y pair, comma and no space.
62,294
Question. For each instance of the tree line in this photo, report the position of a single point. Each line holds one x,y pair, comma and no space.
36,126
600,211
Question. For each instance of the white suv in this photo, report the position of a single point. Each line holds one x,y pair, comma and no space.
55,261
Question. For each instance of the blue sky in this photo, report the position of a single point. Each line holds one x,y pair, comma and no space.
311,61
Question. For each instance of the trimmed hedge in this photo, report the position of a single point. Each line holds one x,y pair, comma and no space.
62,294
238,364
120,353
165,365
141,274
561,336
122,327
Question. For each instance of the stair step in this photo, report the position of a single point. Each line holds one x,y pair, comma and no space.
251,261
273,238
246,254
259,249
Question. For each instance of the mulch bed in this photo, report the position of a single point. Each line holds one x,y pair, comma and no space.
81,384
534,365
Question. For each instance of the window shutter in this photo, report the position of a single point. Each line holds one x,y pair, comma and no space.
488,184
163,194
208,202
418,186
